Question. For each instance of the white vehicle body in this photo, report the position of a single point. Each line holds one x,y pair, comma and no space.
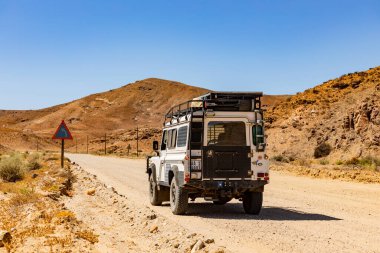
215,153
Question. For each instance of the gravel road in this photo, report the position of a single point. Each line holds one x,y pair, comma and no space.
299,214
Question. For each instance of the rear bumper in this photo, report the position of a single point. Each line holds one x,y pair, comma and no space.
233,185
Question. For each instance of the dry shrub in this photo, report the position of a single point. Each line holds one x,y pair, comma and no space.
52,158
63,241
324,162
322,150
12,168
34,162
302,162
36,230
280,158
88,235
365,162
25,196
65,215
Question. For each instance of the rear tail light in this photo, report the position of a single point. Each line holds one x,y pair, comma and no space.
265,176
187,177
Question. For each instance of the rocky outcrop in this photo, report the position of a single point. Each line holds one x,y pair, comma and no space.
344,113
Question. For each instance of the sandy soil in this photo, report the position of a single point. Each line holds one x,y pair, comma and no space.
299,215
127,226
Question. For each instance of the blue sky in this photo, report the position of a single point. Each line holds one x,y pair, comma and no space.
59,50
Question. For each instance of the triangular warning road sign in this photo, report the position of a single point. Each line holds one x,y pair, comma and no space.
62,133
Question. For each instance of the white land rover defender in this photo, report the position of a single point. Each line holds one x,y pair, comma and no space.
212,147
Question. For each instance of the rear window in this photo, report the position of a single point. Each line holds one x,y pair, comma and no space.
182,136
226,133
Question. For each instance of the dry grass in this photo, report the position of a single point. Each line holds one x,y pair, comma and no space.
62,241
344,173
31,215
26,196
88,235
34,162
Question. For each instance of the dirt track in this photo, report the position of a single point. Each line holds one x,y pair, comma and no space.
299,214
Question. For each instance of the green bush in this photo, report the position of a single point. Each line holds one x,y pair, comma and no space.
34,162
322,150
368,162
12,168
324,162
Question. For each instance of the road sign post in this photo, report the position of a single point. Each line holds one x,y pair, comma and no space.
137,140
87,143
105,144
63,153
62,133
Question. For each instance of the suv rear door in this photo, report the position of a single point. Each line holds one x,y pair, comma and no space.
225,151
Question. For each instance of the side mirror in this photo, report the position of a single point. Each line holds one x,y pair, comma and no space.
155,145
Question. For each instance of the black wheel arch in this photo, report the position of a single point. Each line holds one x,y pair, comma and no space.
152,170
173,173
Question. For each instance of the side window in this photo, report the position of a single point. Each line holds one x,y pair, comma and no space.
164,140
182,136
169,141
173,138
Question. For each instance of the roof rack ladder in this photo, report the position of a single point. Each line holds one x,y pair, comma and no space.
196,125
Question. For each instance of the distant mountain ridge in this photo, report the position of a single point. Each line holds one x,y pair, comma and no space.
343,112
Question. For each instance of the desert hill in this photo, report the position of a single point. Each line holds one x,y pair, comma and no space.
115,112
141,103
343,113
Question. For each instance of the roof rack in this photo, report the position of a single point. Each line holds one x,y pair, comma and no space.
217,101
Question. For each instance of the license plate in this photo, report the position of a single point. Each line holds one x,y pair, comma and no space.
196,165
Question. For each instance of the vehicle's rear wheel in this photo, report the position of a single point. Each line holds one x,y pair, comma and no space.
222,201
178,198
252,202
154,193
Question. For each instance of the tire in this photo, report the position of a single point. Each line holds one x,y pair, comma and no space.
222,201
178,199
252,202
154,193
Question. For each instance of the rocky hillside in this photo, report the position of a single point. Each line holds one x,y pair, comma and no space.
118,111
140,103
343,113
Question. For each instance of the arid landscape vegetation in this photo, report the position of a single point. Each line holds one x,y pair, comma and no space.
328,131
189,126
